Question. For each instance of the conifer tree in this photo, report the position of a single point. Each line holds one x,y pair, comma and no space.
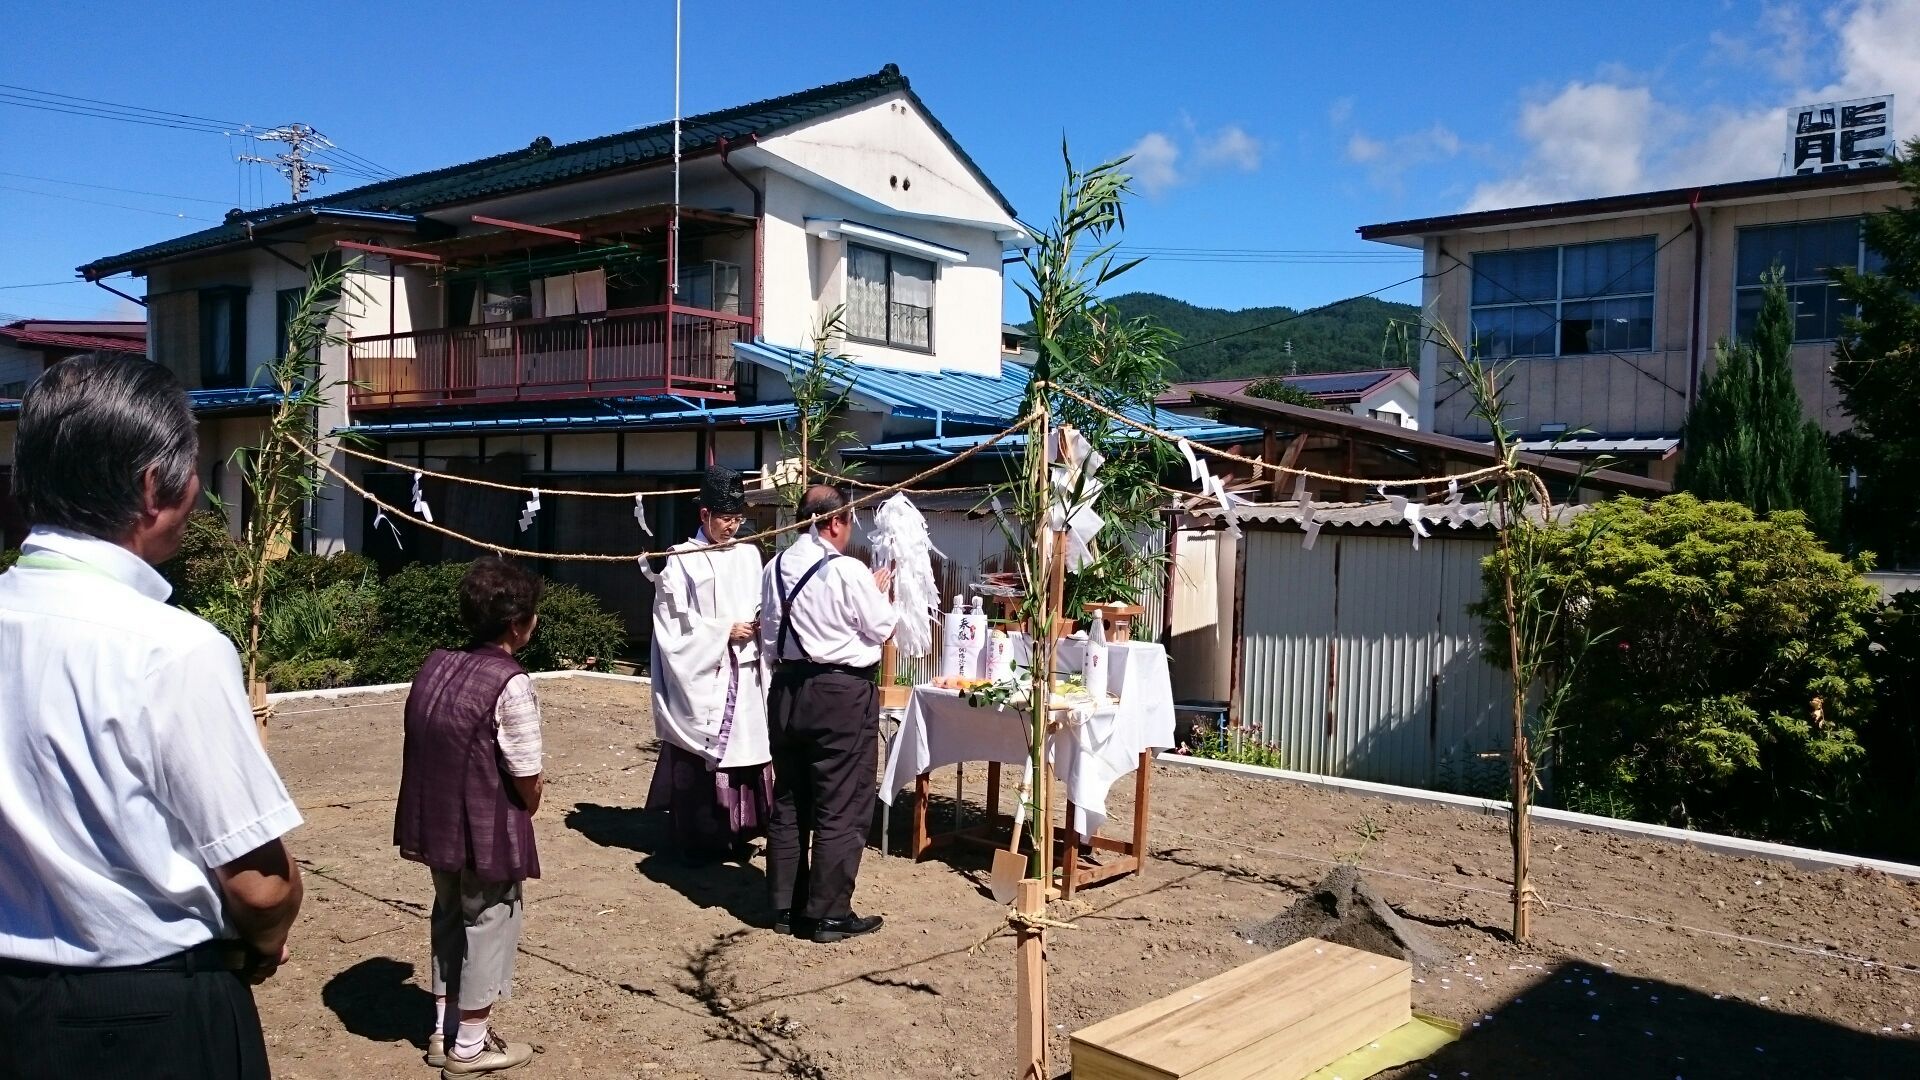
1748,439
1877,368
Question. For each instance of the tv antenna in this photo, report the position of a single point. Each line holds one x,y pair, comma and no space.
293,162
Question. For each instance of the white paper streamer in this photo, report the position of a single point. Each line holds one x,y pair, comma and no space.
1074,491
420,506
1309,526
380,518
1194,468
527,512
640,513
1413,514
646,569
900,539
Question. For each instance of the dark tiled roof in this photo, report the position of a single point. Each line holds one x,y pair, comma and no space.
1327,384
536,166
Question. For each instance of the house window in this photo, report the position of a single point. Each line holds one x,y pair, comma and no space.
889,298
1574,300
286,304
1804,251
223,337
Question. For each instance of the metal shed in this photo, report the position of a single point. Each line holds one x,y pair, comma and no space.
1357,656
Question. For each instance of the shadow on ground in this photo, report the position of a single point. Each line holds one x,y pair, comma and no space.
1577,1020
377,1000
739,888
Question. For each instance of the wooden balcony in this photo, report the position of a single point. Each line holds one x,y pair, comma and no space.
637,352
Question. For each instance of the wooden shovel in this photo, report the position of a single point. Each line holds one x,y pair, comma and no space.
1009,866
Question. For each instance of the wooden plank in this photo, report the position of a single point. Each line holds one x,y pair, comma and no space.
1278,1018
1030,1027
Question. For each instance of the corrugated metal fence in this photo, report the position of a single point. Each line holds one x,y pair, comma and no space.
1359,658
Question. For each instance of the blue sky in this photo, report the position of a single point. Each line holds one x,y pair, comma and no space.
1264,132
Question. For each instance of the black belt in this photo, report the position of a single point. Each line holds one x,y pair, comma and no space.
221,955
807,668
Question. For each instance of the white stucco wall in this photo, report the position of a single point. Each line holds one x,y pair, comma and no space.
1400,397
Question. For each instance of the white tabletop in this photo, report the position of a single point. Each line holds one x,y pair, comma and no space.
940,728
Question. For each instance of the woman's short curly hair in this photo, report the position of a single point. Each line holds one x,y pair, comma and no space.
496,594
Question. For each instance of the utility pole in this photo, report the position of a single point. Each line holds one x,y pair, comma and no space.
293,162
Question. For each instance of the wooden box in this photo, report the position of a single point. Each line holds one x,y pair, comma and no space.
894,696
1281,1017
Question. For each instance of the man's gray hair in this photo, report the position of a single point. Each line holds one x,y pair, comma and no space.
90,430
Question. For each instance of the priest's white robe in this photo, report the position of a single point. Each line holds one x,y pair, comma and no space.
709,697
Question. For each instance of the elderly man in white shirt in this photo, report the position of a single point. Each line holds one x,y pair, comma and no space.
143,882
823,618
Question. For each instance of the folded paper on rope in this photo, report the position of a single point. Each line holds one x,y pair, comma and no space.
379,518
1070,510
640,513
527,512
1309,526
420,506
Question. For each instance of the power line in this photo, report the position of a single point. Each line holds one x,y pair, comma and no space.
99,202
44,284
116,105
110,187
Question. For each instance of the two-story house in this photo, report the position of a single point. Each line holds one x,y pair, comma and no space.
1611,307
596,315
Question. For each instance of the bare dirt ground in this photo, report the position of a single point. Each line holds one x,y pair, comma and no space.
635,965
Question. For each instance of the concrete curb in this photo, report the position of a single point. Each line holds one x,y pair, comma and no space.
1806,858
387,688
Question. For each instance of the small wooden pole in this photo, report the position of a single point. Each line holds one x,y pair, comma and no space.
1030,1034
257,697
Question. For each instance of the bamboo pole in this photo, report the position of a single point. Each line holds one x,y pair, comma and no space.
1522,833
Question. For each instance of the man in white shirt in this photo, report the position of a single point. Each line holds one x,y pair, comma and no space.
143,883
824,616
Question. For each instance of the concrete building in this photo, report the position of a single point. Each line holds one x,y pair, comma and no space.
1612,306
577,316
1391,395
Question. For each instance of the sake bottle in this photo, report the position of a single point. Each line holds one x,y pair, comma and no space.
1093,670
950,639
973,626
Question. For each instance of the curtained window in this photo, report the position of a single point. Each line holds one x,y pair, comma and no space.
889,298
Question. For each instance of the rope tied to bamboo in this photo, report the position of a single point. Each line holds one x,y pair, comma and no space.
1019,922
804,523
497,486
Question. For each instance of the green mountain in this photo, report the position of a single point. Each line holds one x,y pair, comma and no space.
1347,336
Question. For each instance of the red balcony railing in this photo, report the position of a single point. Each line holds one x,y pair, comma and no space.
665,349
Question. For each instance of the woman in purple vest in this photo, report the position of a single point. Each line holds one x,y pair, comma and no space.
469,786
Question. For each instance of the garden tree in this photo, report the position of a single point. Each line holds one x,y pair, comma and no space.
1283,391
1727,672
1877,368
1748,440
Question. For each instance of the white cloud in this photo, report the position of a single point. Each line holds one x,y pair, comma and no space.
1155,163
1388,160
1230,146
1615,136
1362,149
1160,160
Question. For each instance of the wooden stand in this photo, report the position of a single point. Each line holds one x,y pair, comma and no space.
257,697
1123,857
891,696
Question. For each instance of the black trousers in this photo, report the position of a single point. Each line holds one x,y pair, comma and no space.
185,1017
825,729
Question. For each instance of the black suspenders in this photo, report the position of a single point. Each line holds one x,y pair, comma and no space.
786,604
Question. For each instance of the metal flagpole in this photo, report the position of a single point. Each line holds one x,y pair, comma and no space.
673,261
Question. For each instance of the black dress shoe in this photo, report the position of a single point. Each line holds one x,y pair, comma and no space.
783,921
851,926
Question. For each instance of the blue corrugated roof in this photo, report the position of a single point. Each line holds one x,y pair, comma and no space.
954,444
956,397
601,416
205,401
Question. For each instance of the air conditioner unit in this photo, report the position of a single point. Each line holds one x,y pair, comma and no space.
712,285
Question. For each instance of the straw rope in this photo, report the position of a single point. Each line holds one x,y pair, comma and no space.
524,490
501,549
1226,455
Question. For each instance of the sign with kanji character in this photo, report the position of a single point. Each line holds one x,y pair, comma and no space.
1840,135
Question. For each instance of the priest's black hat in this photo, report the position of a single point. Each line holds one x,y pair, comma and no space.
723,491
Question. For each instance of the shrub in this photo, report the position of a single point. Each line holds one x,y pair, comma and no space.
575,633
1890,797
311,674
1284,392
8,556
1728,670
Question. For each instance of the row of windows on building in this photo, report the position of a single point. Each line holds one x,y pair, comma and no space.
1582,299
